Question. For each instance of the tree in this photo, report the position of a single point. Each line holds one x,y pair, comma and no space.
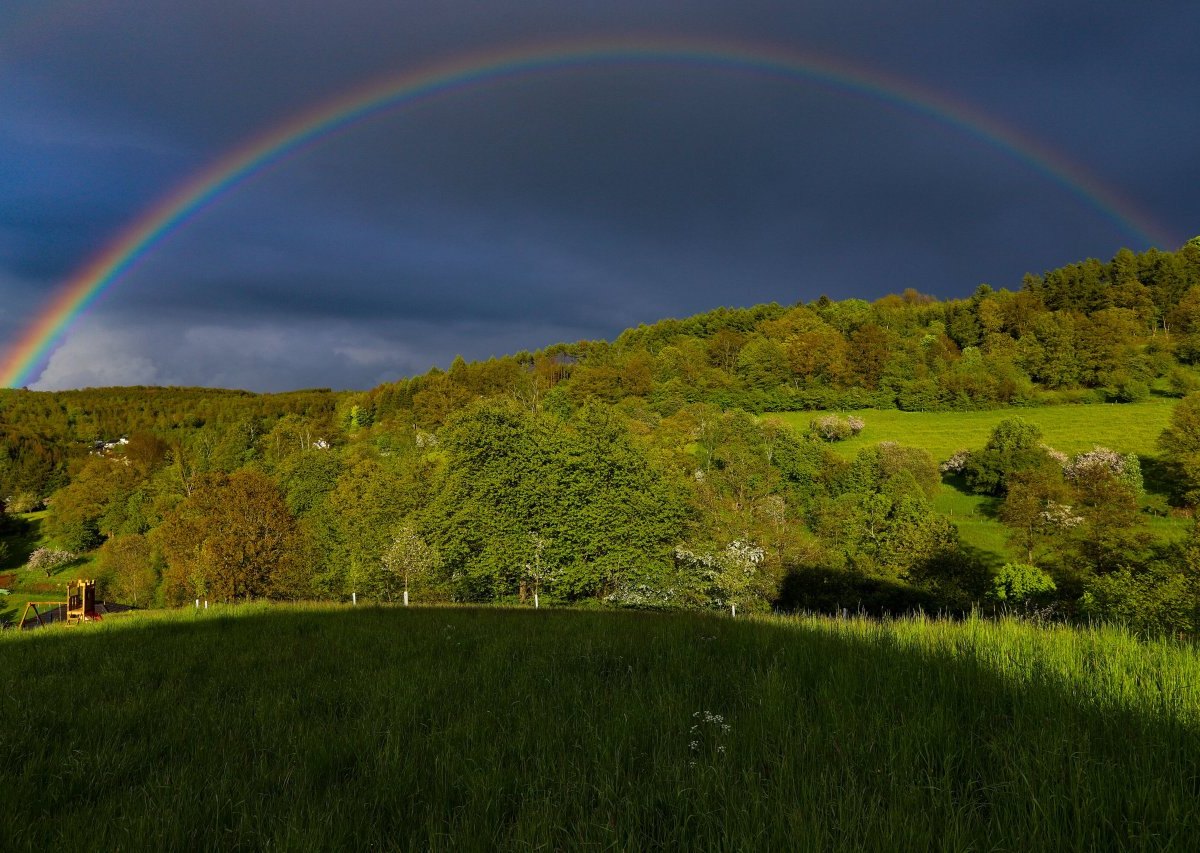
1021,584
606,508
1180,442
234,538
1037,509
408,559
729,577
129,561
1014,445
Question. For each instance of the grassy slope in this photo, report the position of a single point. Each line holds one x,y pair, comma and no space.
329,728
34,585
1128,428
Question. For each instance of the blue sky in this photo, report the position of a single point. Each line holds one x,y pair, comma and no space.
567,206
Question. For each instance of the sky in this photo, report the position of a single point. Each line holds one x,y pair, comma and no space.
569,204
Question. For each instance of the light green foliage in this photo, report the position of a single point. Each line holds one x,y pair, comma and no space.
1019,583
879,518
608,512
408,560
732,576
352,525
129,563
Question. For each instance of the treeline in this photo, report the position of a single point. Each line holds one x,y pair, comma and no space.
1087,332
635,472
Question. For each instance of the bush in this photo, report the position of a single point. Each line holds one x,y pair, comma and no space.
1156,600
1183,381
834,428
1127,389
24,502
1021,583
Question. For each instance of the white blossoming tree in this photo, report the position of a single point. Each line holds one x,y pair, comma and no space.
409,559
730,577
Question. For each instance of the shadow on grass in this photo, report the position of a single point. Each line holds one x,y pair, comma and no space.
988,506
1162,478
21,536
511,729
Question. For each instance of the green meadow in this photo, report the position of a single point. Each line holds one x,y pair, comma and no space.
1126,427
302,728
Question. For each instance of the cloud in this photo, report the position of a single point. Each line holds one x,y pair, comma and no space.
519,213
268,356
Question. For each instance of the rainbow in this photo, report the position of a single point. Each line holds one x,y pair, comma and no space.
168,214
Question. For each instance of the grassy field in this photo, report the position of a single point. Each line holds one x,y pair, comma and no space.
27,585
1128,428
464,729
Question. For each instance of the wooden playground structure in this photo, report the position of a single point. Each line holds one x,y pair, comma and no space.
80,606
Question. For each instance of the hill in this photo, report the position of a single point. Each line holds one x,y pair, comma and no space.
637,473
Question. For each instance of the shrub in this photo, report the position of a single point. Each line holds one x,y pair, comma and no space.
834,428
24,502
1183,381
1021,583
957,463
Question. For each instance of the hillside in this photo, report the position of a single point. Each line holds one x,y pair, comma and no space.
643,473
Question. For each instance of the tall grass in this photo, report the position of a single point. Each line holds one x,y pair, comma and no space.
328,728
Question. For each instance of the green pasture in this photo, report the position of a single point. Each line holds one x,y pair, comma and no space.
1125,427
333,728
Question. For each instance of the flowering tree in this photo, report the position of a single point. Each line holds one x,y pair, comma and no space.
409,558
833,428
48,559
731,576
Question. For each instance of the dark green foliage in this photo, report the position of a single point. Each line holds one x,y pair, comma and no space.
1015,445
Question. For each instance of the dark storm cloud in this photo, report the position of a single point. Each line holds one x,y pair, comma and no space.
515,214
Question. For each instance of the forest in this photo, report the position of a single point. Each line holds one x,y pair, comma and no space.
656,470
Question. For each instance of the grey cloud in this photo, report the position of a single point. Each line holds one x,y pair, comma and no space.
565,205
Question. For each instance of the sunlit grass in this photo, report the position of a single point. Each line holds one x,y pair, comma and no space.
335,728
1128,427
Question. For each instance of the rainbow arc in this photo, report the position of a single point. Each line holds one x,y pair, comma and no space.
28,354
